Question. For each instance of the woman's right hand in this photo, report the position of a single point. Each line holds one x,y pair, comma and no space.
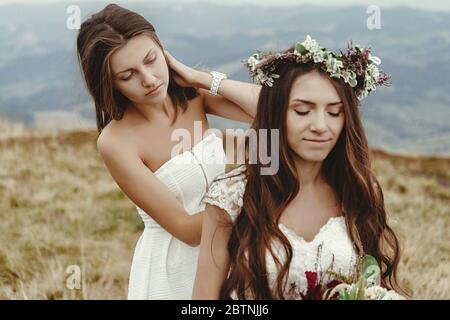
186,76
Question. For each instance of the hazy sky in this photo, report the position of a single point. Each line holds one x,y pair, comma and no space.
428,5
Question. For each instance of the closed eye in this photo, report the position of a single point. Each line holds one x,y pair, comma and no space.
302,113
128,78
334,114
150,61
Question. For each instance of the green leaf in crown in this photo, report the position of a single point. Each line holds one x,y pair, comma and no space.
352,82
300,48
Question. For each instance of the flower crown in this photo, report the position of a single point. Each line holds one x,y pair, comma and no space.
357,67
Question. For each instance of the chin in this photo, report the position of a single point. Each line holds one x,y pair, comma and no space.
314,156
157,99
163,95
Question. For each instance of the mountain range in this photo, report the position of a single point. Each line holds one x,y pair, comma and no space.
41,84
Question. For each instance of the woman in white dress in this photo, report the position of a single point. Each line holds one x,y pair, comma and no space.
323,208
139,107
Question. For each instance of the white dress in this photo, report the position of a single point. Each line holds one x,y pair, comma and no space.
330,250
164,267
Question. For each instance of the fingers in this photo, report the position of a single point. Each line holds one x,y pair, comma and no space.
168,56
172,62
183,74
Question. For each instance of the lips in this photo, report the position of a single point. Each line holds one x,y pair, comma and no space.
317,140
154,90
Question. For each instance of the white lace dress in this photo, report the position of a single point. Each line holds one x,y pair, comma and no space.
331,249
164,267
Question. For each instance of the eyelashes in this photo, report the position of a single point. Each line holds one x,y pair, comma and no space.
300,113
304,113
150,61
334,114
128,78
147,62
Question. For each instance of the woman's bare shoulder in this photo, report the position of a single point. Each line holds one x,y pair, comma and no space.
114,136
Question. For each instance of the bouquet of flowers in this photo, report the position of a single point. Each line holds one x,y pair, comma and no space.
367,286
363,285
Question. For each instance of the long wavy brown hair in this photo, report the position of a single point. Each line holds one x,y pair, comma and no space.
98,38
347,170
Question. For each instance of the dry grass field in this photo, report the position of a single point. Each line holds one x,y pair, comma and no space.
59,207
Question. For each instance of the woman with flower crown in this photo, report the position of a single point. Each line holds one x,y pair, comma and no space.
302,229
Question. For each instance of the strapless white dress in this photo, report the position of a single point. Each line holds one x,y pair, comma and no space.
164,267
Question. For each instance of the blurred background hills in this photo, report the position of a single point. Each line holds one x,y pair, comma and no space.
41,85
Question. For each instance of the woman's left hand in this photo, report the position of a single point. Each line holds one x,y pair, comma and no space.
183,75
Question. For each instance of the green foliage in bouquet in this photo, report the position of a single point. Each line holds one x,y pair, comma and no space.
366,287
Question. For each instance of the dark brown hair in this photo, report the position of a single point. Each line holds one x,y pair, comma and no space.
347,170
98,38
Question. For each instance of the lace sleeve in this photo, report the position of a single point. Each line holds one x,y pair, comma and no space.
227,191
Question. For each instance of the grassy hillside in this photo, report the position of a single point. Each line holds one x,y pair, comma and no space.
59,207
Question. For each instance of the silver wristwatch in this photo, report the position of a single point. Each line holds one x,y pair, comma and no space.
216,78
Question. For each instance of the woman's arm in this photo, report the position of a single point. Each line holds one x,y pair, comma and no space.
146,191
243,94
213,260
219,106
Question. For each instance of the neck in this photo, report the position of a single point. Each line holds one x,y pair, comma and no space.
309,173
150,111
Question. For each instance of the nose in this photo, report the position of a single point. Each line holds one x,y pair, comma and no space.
148,80
318,123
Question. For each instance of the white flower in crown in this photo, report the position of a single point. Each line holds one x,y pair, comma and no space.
253,61
364,93
310,44
318,56
374,72
374,60
333,65
371,78
260,76
271,78
349,76
266,79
